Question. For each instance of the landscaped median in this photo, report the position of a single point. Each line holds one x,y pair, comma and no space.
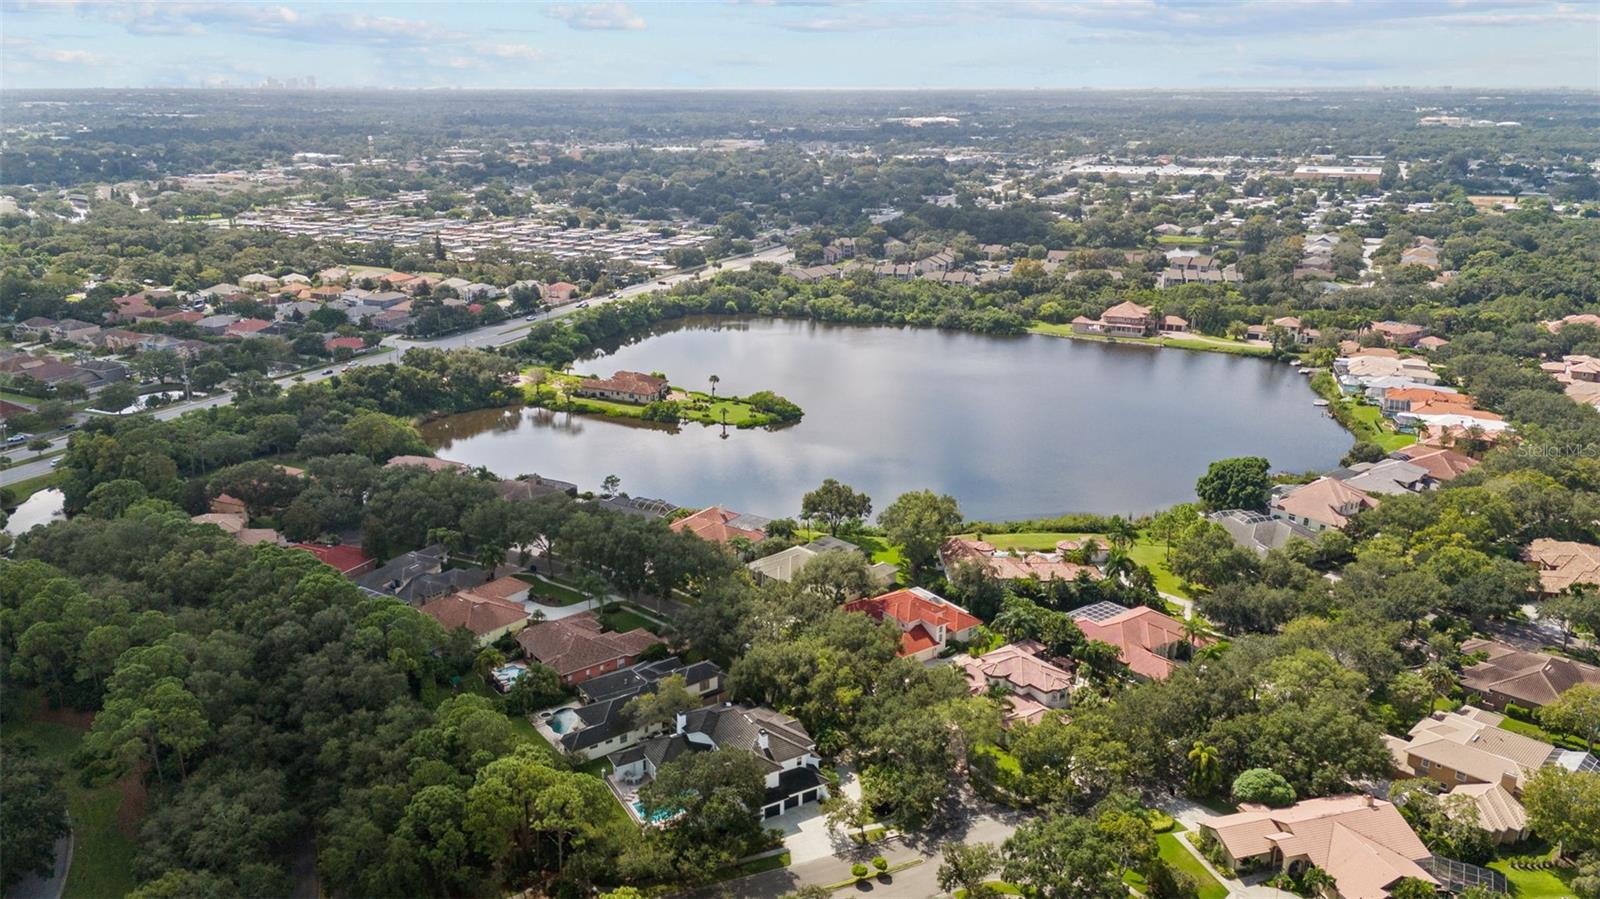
763,409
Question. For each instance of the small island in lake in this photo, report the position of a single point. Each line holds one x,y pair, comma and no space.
649,397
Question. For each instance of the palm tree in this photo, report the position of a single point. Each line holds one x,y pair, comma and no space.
1316,880
1118,563
1203,759
1193,630
1440,678
714,382
1121,532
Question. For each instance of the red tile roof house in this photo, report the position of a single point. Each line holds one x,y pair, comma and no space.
246,327
720,525
624,387
928,622
576,649
560,292
1363,843
1147,638
353,344
1034,685
1529,679
1125,319
1322,504
488,618
347,559
1398,333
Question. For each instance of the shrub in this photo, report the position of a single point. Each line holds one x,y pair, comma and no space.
881,863
1161,822
858,870
1264,786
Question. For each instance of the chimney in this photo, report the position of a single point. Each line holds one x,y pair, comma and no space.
1366,799
683,722
762,742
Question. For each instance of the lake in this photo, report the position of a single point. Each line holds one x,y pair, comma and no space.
1013,427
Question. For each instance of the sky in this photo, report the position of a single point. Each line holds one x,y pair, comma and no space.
1021,44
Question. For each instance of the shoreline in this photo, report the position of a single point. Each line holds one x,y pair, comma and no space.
1195,343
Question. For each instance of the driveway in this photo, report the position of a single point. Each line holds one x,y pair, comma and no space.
32,887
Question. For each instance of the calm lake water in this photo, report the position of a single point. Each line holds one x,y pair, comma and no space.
39,509
1013,427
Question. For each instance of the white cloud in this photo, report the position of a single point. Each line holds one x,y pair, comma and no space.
615,16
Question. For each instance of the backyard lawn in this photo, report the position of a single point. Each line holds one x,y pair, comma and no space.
102,853
1371,425
1548,884
1146,551
880,549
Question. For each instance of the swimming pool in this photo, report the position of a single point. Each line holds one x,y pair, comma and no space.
657,818
562,721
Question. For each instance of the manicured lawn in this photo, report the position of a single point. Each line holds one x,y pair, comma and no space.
880,549
1197,342
102,855
627,620
1528,729
998,886
1550,883
1371,425
549,592
1175,854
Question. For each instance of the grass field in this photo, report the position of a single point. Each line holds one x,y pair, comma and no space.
1371,425
880,549
102,852
1197,342
1175,854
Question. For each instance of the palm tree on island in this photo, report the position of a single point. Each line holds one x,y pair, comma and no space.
714,382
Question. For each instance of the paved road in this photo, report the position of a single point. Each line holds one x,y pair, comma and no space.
32,887
478,338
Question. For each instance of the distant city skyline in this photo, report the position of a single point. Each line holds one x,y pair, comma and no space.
840,44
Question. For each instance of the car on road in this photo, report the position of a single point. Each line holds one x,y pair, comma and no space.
661,282
327,371
17,438
348,366
584,305
529,318
56,462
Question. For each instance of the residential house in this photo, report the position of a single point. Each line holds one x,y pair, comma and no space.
624,387
1388,477
1007,565
258,281
1324,503
601,726
928,622
216,325
785,565
352,344
1033,684
1563,564
1172,324
348,559
1257,532
1579,377
487,617
577,649
1362,843
1126,319
418,576
643,506
720,525
431,463
1401,399
1431,342
131,307
1529,679
1581,318
247,327
1442,464
1425,252
533,487
1471,755
560,292
1152,644
1398,333
38,327
786,753
334,276
71,330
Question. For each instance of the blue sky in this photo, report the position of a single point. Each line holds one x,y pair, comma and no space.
803,43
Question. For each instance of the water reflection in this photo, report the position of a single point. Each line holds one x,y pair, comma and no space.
39,509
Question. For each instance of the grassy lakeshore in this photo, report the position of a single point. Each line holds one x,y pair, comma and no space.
555,392
1198,342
